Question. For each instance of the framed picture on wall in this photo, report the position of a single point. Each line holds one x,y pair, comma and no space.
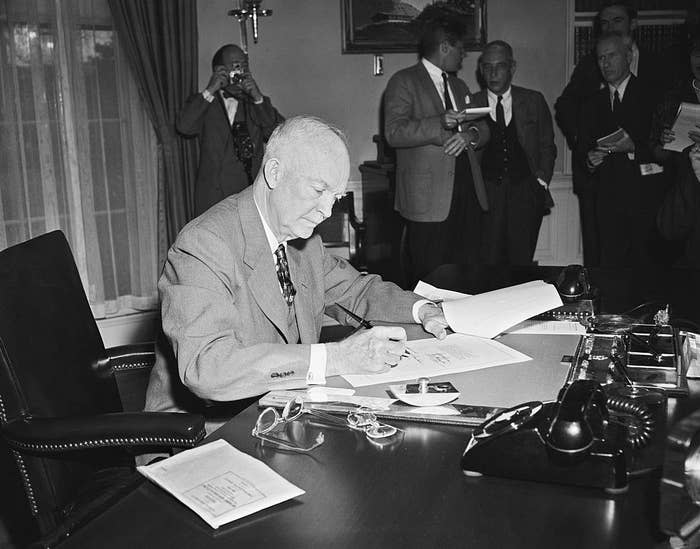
389,26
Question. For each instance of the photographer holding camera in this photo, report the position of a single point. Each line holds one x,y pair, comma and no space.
233,120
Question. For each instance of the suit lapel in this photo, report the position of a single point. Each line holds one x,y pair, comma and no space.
262,281
222,105
301,278
517,111
429,88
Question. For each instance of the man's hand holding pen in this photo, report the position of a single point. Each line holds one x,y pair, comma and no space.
367,351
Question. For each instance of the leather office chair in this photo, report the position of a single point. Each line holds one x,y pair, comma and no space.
61,418
343,234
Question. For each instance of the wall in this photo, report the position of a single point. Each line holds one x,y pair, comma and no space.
298,60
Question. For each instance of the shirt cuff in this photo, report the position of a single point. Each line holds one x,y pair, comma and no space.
630,156
262,100
208,97
416,307
542,182
317,365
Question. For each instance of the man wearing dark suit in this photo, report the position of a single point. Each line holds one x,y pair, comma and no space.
245,286
586,80
517,163
626,190
233,121
435,190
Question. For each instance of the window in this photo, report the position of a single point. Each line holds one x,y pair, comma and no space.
77,150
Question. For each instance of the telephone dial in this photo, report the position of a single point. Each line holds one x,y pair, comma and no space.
588,437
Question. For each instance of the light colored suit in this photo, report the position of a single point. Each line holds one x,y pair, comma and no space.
424,173
225,317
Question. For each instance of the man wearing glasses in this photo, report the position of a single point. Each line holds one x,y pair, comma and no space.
517,162
233,120
245,286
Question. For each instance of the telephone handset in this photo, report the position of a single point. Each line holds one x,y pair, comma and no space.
571,441
578,295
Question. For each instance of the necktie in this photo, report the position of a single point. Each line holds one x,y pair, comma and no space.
446,93
243,145
282,267
616,102
500,113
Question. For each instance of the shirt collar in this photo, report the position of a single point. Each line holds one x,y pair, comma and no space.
433,70
622,86
271,238
506,95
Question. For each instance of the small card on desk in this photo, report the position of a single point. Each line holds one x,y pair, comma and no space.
220,483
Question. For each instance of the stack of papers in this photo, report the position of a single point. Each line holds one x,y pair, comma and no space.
220,483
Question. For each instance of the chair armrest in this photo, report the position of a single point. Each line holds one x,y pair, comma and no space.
132,357
121,430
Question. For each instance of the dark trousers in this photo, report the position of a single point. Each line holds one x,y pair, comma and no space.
590,238
512,224
456,239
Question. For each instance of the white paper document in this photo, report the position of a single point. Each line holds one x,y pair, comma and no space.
220,483
490,313
550,327
686,119
432,357
432,293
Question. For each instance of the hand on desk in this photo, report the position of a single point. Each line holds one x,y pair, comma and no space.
366,351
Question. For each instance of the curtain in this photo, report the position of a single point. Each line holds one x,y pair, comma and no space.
160,38
77,149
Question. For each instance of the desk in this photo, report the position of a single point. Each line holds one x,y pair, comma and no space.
409,494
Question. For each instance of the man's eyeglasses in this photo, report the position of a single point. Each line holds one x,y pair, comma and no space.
360,420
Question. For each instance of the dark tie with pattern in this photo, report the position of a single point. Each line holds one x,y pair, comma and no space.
446,93
616,102
282,267
500,113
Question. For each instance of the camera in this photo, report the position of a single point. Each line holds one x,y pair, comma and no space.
236,75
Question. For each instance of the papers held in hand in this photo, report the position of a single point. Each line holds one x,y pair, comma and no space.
610,139
220,483
686,119
491,313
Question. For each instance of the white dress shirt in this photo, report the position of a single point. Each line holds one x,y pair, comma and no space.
506,101
435,74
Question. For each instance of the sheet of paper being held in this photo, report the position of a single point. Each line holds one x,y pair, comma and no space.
490,313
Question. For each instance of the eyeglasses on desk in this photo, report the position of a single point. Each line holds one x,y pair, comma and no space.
362,419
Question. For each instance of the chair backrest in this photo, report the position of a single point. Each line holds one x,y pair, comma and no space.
343,234
49,348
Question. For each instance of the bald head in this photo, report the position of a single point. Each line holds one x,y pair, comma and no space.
304,170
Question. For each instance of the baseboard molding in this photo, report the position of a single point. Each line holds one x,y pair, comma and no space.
133,328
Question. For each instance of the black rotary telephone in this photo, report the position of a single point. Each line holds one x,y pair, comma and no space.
578,295
571,441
